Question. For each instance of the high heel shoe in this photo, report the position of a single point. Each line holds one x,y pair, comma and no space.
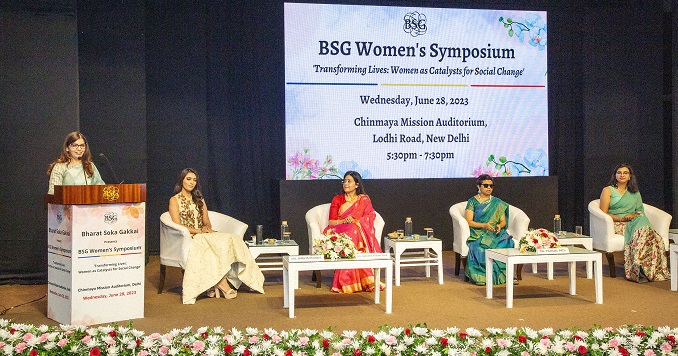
222,289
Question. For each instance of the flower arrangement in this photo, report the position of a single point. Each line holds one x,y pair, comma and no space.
538,238
333,245
302,166
27,339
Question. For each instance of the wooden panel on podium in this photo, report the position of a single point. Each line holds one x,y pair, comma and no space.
96,253
97,194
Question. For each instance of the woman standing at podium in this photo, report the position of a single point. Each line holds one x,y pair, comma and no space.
74,166
217,262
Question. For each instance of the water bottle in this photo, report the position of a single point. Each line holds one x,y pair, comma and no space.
408,226
556,225
284,228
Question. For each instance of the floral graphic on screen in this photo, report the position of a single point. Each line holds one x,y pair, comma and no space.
533,163
532,25
304,167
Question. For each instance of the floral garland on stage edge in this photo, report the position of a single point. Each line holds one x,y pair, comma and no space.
538,238
27,339
333,246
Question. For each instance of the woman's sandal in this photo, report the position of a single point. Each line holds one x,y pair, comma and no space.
230,294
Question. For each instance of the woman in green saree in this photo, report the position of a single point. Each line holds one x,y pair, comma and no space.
74,165
644,258
487,217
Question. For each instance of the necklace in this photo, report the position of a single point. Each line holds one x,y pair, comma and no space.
350,200
481,201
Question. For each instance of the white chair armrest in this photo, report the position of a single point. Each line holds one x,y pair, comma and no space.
460,229
175,241
600,224
660,220
224,223
519,225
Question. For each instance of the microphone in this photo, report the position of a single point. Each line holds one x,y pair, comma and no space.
108,163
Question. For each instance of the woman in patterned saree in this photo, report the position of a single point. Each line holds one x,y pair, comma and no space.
487,218
351,213
217,262
644,258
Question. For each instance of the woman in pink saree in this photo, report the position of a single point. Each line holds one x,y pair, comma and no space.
351,213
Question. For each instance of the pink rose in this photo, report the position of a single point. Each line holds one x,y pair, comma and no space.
545,342
43,338
28,336
143,353
613,343
524,353
163,350
502,342
345,342
253,339
86,338
649,353
109,342
62,343
391,340
198,345
570,346
303,340
666,347
276,338
20,347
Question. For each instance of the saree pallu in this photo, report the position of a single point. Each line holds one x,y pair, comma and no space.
363,235
480,240
644,258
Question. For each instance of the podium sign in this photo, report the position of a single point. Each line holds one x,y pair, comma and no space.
96,253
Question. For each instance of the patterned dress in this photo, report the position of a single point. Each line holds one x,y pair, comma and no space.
214,256
644,258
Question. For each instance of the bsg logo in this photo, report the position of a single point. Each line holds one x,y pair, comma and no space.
415,24
333,48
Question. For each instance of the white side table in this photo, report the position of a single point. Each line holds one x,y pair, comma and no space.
570,239
673,257
513,256
293,265
673,236
262,254
432,255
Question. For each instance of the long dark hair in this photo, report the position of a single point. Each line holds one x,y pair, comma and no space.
632,185
65,157
196,195
358,181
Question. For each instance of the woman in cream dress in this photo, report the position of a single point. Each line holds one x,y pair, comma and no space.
74,165
217,262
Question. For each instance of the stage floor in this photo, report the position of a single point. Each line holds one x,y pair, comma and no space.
538,303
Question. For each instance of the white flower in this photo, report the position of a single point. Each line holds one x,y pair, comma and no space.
137,333
396,331
310,332
172,351
400,347
473,332
408,340
50,345
212,352
370,350
487,342
503,353
511,331
452,330
349,334
421,348
431,341
599,334
251,331
624,331
419,330
437,333
4,322
494,330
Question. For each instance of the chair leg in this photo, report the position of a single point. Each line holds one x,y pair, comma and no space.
610,261
161,284
317,277
457,263
519,272
463,263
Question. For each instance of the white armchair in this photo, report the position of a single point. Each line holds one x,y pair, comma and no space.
518,224
175,240
603,236
317,219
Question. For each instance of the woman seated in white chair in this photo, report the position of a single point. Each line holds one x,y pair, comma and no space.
218,262
352,213
644,258
487,218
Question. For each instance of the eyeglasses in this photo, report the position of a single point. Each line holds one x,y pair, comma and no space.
75,145
488,185
624,173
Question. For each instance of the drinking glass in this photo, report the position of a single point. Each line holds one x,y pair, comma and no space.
578,230
429,233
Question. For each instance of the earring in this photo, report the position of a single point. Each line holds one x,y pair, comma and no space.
478,190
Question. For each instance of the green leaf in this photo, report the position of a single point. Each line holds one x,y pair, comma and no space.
497,166
491,158
502,159
511,33
506,25
501,18
509,20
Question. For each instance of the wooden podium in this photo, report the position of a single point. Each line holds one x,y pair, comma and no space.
96,243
